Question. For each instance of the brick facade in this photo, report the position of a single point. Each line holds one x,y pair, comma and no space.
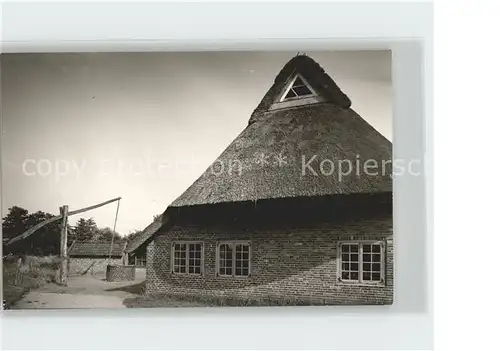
296,265
97,265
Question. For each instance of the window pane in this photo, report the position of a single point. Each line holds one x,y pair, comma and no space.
290,94
300,91
195,258
350,264
236,253
191,252
298,82
225,259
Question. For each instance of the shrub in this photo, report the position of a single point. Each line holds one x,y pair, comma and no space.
32,273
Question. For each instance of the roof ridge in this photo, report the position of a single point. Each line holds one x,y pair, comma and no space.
315,75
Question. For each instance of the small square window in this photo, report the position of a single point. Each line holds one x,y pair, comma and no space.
364,266
187,258
233,259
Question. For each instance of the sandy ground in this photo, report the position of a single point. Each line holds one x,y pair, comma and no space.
83,292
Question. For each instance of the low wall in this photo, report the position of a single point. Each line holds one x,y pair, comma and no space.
81,265
119,273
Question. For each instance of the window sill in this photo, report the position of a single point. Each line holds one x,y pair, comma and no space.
187,274
233,277
296,102
360,284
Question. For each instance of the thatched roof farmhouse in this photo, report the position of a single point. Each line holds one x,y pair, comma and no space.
278,218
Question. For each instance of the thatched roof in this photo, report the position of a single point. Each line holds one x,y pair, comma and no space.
279,140
144,235
96,249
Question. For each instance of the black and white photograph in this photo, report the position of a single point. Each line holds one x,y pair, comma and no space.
198,178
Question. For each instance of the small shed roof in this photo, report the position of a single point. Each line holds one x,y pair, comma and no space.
145,234
96,249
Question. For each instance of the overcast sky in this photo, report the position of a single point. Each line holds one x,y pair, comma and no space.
79,129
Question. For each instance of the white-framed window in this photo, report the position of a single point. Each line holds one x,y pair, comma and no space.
233,259
187,257
361,262
297,88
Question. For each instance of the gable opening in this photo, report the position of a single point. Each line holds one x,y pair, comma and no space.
297,88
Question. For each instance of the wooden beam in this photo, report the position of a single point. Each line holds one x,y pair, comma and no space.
63,270
56,218
93,207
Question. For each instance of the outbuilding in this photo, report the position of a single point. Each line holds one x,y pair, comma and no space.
94,257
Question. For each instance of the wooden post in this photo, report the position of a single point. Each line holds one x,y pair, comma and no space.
125,254
63,271
17,280
113,233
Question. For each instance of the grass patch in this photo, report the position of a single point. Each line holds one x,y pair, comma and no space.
33,272
214,301
160,301
137,289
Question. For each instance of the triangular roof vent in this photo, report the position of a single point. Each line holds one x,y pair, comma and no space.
297,88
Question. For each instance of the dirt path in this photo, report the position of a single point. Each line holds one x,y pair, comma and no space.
82,292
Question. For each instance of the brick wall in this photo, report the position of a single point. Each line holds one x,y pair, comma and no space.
78,265
287,264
